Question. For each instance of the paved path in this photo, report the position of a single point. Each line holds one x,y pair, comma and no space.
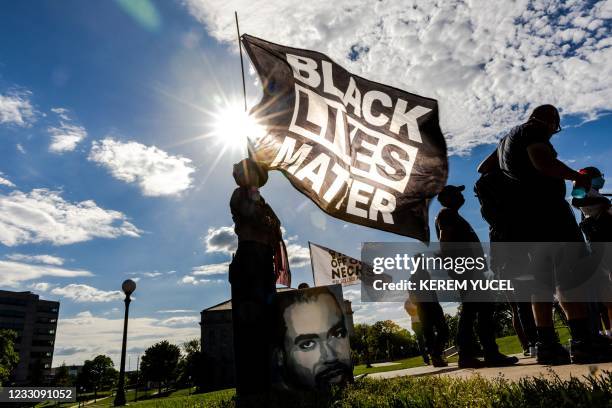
384,364
526,367
89,402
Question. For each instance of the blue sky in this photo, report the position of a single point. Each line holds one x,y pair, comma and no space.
105,175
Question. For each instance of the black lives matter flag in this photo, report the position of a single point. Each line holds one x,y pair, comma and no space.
364,152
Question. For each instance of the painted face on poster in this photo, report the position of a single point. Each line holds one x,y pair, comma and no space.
314,350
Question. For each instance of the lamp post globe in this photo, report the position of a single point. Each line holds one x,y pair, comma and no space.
128,286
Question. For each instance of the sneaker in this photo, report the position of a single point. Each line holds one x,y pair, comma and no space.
526,352
438,361
470,362
500,360
551,354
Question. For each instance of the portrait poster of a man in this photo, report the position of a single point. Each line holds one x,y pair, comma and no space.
312,350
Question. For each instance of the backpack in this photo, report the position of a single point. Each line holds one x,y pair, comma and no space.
490,197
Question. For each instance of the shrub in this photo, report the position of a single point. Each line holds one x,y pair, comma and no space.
438,391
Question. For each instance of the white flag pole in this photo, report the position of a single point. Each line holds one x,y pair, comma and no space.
241,62
314,282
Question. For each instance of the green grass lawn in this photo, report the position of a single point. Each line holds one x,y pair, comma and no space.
181,399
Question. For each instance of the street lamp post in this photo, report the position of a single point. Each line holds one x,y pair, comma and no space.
128,287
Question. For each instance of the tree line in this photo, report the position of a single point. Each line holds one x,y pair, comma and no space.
163,365
387,341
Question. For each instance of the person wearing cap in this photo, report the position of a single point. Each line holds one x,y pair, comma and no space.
539,213
252,277
452,228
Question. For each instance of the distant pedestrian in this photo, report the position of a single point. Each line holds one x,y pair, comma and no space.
431,316
453,229
417,328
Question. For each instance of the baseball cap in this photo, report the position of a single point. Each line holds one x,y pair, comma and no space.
448,191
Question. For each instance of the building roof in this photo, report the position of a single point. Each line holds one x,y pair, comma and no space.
227,305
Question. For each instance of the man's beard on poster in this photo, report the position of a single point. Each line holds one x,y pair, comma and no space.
335,369
322,379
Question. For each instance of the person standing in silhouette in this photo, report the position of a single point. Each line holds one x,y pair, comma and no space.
252,277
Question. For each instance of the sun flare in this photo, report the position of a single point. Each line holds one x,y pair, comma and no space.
232,127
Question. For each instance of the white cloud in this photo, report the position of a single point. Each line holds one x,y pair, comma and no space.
191,280
65,137
224,240
211,269
180,321
62,113
20,148
39,259
176,311
40,286
5,182
44,216
84,293
13,273
151,274
68,351
16,109
487,63
221,239
299,256
87,335
156,172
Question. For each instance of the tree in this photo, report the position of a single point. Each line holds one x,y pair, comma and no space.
62,377
8,356
453,325
159,363
190,365
97,374
383,332
502,314
360,344
385,340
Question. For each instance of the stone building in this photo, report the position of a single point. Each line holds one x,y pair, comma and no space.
35,322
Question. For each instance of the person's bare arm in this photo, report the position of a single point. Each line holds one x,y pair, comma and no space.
489,164
545,162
